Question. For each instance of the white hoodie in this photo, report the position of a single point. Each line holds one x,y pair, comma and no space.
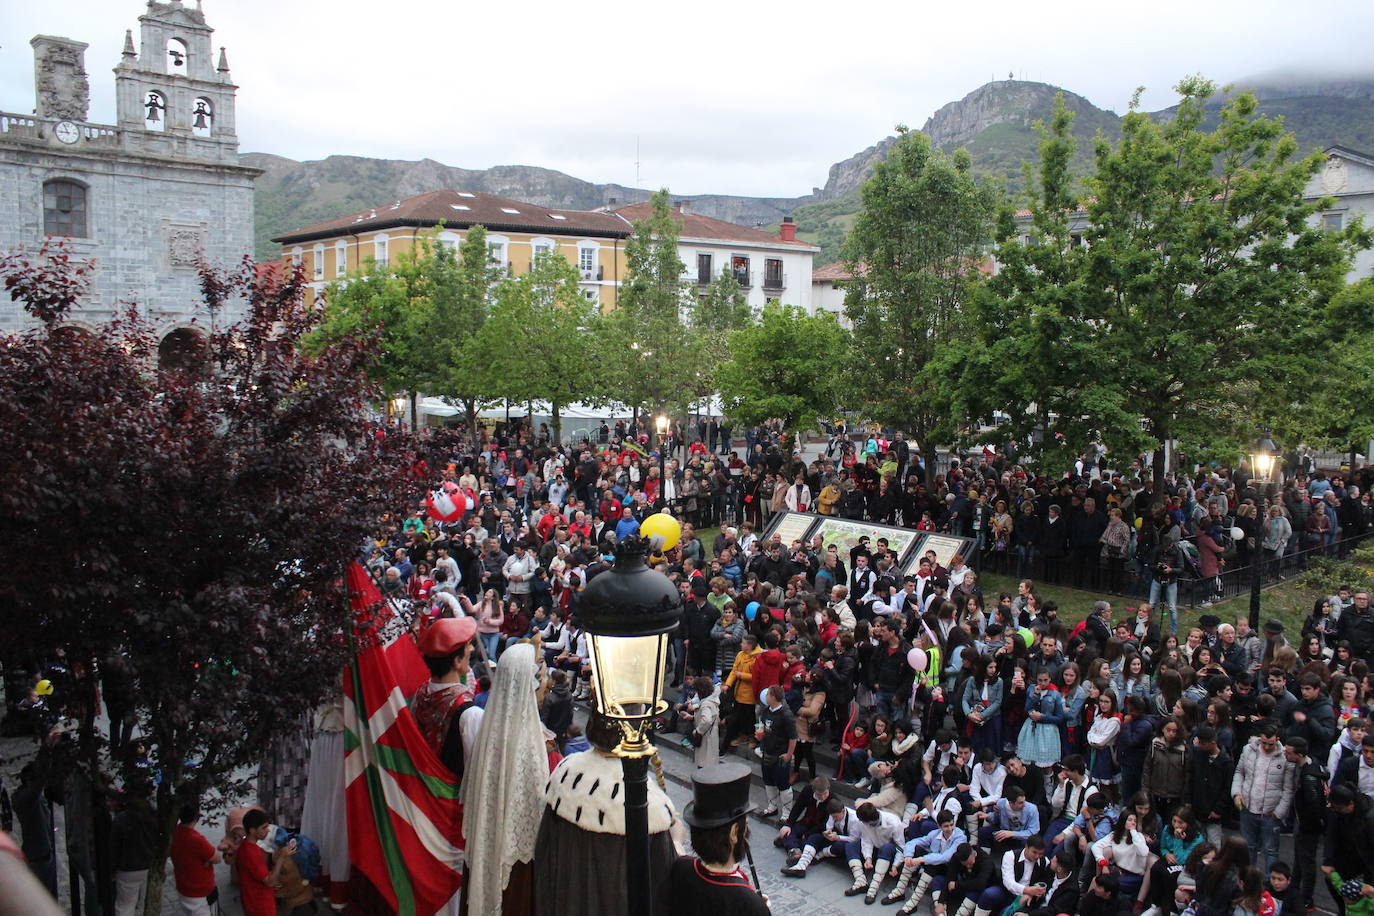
1333,760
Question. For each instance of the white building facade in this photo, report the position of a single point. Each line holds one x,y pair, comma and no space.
767,266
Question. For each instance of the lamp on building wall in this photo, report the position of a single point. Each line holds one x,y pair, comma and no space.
629,613
1264,465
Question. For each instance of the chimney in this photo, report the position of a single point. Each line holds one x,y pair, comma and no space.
612,201
680,206
788,230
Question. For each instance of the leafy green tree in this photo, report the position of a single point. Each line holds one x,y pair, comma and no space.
783,368
654,361
1333,410
914,253
429,304
459,303
1177,309
538,344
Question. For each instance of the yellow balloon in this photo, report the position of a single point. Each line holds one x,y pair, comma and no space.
1139,521
662,525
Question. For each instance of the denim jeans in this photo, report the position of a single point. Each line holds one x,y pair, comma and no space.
1261,832
1171,596
1025,561
883,700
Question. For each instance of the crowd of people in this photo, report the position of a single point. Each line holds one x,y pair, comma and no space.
987,755
1053,748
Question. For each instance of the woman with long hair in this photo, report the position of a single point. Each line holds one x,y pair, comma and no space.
1345,698
1040,741
1075,696
1165,778
1176,846
1168,690
1101,738
981,704
1218,882
1127,849
1133,680
1312,650
1218,715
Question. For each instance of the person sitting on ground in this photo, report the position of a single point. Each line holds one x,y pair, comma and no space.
881,834
840,828
928,854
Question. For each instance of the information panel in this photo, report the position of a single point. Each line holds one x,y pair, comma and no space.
946,547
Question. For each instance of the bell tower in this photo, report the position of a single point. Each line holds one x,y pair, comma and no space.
173,88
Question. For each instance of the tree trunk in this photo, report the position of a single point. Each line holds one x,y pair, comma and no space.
928,455
470,410
555,417
157,868
414,411
1157,465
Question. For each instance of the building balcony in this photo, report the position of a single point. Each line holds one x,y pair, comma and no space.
776,281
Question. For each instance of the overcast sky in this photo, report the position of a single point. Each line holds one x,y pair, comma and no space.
744,97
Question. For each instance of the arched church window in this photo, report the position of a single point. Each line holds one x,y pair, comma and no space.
178,57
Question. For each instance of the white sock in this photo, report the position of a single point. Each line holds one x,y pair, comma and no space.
880,868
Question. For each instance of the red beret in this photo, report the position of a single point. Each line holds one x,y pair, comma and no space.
447,635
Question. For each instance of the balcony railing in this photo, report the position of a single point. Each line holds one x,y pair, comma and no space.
775,281
742,278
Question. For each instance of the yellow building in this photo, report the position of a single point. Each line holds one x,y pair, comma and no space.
594,242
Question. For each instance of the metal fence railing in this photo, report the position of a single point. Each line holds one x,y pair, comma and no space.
1236,579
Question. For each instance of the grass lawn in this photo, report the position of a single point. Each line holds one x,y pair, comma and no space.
1290,601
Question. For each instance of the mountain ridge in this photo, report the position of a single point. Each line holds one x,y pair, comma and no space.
994,122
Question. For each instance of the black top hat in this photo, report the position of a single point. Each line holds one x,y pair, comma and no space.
720,795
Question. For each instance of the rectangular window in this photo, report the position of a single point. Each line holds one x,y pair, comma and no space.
704,273
772,273
497,252
64,209
319,262
380,248
1333,222
340,259
541,248
586,259
739,266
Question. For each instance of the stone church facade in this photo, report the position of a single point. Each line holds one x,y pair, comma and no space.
147,198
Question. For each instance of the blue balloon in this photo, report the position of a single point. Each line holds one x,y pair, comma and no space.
751,610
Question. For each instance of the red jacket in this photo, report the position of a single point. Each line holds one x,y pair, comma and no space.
768,671
550,521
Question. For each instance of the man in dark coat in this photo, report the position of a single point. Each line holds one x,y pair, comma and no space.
1212,769
1312,718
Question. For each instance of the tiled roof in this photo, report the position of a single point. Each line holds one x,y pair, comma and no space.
831,272
695,226
462,209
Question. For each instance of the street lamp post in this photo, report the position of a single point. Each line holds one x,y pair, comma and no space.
629,613
1264,458
661,426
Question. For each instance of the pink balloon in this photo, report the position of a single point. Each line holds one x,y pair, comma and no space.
916,658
